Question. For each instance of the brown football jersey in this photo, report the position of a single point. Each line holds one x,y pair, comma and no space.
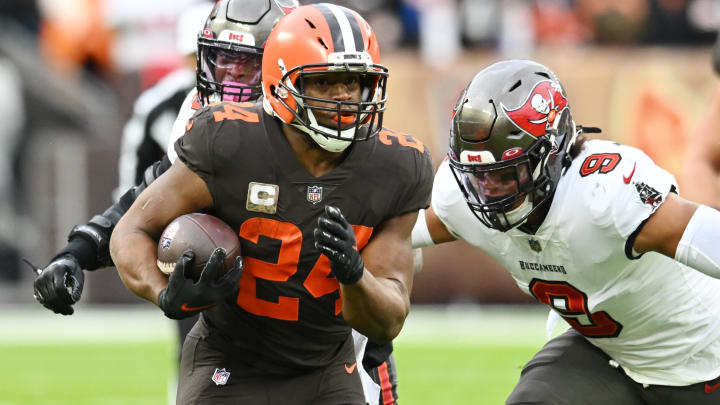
287,316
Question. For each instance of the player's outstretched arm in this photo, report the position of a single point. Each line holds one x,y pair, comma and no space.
430,230
376,283
133,243
60,284
685,231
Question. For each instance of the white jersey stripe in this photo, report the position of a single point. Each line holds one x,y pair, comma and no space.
345,28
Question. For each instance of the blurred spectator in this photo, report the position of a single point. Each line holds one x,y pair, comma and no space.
615,21
35,101
641,22
438,30
557,23
479,23
24,12
74,35
670,24
12,115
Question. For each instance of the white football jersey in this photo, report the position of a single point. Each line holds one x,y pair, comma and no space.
659,319
189,107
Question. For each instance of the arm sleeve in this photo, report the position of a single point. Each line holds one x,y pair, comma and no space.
446,196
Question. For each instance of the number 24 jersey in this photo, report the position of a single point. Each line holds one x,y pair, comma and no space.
287,316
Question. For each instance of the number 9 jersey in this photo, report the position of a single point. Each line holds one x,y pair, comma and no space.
659,319
287,316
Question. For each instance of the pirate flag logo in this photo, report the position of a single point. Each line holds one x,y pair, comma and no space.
648,195
540,109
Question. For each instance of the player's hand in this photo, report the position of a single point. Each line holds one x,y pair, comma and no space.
183,297
59,285
335,238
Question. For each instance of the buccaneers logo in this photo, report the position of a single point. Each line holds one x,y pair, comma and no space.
648,195
540,110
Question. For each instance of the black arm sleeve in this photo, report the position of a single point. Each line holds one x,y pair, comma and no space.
90,243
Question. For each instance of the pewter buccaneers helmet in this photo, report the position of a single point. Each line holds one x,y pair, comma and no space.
328,39
233,37
510,139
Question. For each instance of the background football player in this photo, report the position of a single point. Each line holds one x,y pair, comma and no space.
593,229
285,335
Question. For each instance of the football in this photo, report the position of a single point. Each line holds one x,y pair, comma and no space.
201,233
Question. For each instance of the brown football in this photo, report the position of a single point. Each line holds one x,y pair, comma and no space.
201,233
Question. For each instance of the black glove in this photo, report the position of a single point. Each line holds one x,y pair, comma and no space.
183,297
336,239
59,285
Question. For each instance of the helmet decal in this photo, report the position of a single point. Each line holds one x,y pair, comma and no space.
540,110
512,153
243,38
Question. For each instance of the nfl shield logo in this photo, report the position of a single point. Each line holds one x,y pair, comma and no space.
165,242
314,194
220,376
534,245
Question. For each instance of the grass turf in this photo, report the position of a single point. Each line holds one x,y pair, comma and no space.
458,374
127,356
138,373
88,374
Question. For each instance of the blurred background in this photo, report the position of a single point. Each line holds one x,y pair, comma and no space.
71,70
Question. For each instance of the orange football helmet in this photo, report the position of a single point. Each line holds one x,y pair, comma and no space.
324,38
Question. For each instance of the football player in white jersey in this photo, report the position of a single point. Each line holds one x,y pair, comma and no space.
593,229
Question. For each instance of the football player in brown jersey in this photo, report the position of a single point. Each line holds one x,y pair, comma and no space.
319,194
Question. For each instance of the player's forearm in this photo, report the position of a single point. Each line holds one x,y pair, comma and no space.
135,255
429,230
376,307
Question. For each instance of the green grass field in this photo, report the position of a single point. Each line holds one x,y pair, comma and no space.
453,355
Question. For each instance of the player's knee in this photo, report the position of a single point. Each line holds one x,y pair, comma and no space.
535,392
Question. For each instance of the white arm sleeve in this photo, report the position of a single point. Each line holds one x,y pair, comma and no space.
420,233
698,245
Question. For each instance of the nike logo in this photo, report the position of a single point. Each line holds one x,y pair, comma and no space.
350,369
627,179
710,388
186,308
